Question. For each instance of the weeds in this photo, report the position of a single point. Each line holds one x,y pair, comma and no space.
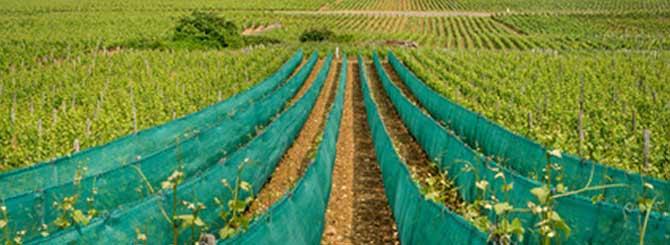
236,221
69,213
551,227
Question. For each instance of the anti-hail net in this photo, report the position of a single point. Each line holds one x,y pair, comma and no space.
148,216
298,217
527,157
419,221
195,152
128,149
590,223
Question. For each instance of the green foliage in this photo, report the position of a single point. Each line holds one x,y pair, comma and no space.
233,215
56,107
506,86
316,35
207,29
260,40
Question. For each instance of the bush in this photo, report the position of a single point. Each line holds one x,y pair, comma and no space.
316,35
207,29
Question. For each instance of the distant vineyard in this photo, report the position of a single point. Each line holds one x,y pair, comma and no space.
394,5
30,39
538,95
503,5
154,5
458,32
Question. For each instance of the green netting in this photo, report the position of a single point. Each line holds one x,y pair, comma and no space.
198,152
127,149
419,221
298,217
526,157
590,223
259,158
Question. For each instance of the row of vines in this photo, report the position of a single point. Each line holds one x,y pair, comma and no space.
503,5
82,101
537,94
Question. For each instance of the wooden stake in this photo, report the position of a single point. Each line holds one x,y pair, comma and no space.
653,95
88,127
76,145
632,126
146,62
55,116
39,128
530,121
132,102
74,100
646,148
581,117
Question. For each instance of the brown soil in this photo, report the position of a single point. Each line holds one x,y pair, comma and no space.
339,214
260,29
295,161
308,82
358,212
395,79
410,151
295,71
373,221
113,50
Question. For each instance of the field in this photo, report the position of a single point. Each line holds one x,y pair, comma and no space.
334,121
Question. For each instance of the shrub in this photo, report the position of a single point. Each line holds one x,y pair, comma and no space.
316,35
208,29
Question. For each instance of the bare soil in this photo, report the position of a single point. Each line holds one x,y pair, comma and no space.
260,29
358,211
339,214
409,149
412,154
308,82
373,221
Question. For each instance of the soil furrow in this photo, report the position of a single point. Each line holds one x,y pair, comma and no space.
308,82
409,149
373,221
301,153
339,214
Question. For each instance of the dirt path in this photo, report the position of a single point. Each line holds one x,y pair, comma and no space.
339,214
390,13
407,147
395,79
358,212
373,221
299,155
308,82
260,29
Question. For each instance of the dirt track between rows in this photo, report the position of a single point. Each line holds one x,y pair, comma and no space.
390,13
